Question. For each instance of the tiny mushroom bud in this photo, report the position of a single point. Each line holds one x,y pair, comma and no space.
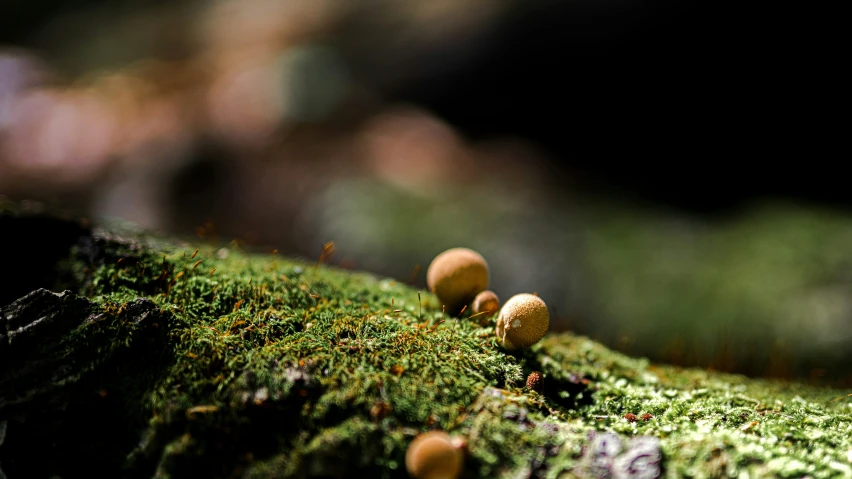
456,276
522,322
534,381
434,455
486,303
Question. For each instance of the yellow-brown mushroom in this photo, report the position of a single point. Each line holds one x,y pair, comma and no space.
434,455
456,276
485,304
522,322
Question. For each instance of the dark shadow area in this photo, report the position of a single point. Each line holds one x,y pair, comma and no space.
74,410
565,389
33,247
679,103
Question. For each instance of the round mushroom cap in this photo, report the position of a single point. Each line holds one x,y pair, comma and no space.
434,455
456,276
522,322
486,302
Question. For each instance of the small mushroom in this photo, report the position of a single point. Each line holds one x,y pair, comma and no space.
456,276
522,322
486,303
435,455
535,381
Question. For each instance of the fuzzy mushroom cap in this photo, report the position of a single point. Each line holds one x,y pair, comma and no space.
486,302
522,322
456,276
434,455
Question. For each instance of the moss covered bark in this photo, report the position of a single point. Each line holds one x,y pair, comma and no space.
166,359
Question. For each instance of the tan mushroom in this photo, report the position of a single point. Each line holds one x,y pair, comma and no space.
485,304
456,276
522,322
434,455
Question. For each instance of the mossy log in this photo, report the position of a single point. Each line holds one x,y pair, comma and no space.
127,355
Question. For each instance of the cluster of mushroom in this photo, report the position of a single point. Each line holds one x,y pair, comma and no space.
459,278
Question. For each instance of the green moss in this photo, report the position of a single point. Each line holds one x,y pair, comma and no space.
261,366
290,356
714,424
